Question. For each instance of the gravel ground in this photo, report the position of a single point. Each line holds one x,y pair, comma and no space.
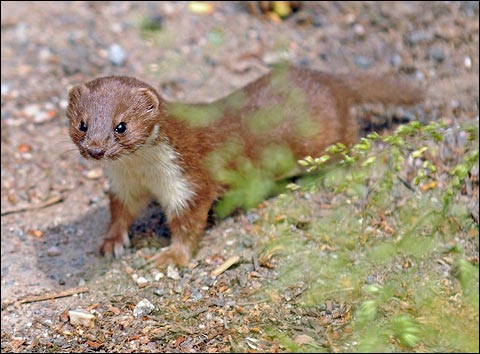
53,203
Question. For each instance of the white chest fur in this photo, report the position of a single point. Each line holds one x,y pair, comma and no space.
152,171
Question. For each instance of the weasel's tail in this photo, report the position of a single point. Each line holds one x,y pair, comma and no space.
386,89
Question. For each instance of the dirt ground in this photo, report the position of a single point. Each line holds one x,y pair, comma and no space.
53,203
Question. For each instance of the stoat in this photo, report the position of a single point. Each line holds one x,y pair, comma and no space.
186,156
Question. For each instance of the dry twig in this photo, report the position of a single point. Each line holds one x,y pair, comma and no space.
21,209
50,296
227,264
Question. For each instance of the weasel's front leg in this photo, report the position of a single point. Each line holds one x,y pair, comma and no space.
186,230
121,217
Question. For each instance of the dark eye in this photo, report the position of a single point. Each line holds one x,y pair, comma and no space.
121,128
83,127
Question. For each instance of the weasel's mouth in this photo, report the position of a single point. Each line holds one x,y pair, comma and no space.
97,154
93,153
101,154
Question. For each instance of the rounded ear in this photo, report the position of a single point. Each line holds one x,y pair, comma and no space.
77,91
149,95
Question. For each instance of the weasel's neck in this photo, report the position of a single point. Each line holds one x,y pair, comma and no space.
154,135
153,169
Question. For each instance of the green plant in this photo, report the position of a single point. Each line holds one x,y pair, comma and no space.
397,242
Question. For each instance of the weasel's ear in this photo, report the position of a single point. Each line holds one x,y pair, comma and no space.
150,96
77,91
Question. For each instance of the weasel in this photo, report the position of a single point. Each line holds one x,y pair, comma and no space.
188,155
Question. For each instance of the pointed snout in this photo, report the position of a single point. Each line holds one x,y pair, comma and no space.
96,153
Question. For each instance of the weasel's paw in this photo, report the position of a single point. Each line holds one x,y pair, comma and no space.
114,246
173,254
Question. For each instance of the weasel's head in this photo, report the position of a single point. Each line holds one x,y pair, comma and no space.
111,117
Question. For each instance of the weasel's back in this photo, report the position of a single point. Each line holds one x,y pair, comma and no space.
305,109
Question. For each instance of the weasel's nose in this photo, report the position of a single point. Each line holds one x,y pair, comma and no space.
96,153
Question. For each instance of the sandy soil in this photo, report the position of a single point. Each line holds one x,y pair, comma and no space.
49,46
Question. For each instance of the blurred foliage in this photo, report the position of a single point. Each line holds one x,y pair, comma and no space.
250,182
203,115
391,244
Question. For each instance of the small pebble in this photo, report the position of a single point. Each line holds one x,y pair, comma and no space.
252,217
94,200
172,272
5,271
304,62
70,230
256,285
242,281
418,37
94,173
362,61
53,251
467,62
359,30
117,55
395,60
81,317
63,104
5,88
419,75
45,54
31,110
178,289
141,281
139,262
21,33
143,308
350,18
196,295
159,292
159,276
247,243
116,27
436,53
20,234
319,20
127,269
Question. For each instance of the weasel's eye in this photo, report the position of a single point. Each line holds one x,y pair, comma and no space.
121,128
83,127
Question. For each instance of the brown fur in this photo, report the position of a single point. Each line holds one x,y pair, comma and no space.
297,110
